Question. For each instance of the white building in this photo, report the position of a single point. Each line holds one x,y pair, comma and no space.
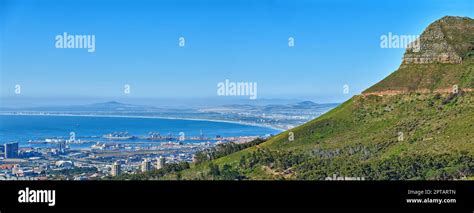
160,162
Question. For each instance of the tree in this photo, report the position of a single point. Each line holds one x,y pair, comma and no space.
214,170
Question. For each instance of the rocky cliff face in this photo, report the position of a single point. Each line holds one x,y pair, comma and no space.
444,59
445,41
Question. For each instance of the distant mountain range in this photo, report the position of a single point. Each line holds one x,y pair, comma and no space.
17,102
112,106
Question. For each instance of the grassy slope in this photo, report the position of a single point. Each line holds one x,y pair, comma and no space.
428,76
367,121
373,122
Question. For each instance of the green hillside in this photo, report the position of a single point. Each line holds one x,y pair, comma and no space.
362,136
411,125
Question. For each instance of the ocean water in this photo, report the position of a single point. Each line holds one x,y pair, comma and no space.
22,128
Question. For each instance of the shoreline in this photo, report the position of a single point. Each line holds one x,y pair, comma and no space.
146,117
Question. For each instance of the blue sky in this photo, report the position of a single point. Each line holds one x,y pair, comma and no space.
336,43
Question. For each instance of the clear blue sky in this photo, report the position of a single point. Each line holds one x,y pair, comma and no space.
336,43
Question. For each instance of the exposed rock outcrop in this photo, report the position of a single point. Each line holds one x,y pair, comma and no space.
440,42
442,58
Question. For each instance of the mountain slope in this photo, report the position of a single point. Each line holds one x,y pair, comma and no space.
411,125
444,59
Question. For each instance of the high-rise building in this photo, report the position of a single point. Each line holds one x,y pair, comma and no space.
160,162
62,147
116,170
11,150
146,165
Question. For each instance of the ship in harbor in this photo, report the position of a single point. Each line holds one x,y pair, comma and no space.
118,136
47,141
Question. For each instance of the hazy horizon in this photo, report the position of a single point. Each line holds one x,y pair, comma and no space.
26,102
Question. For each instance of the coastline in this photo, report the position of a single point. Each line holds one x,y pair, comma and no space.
146,117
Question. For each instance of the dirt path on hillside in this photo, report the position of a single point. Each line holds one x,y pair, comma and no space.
421,91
